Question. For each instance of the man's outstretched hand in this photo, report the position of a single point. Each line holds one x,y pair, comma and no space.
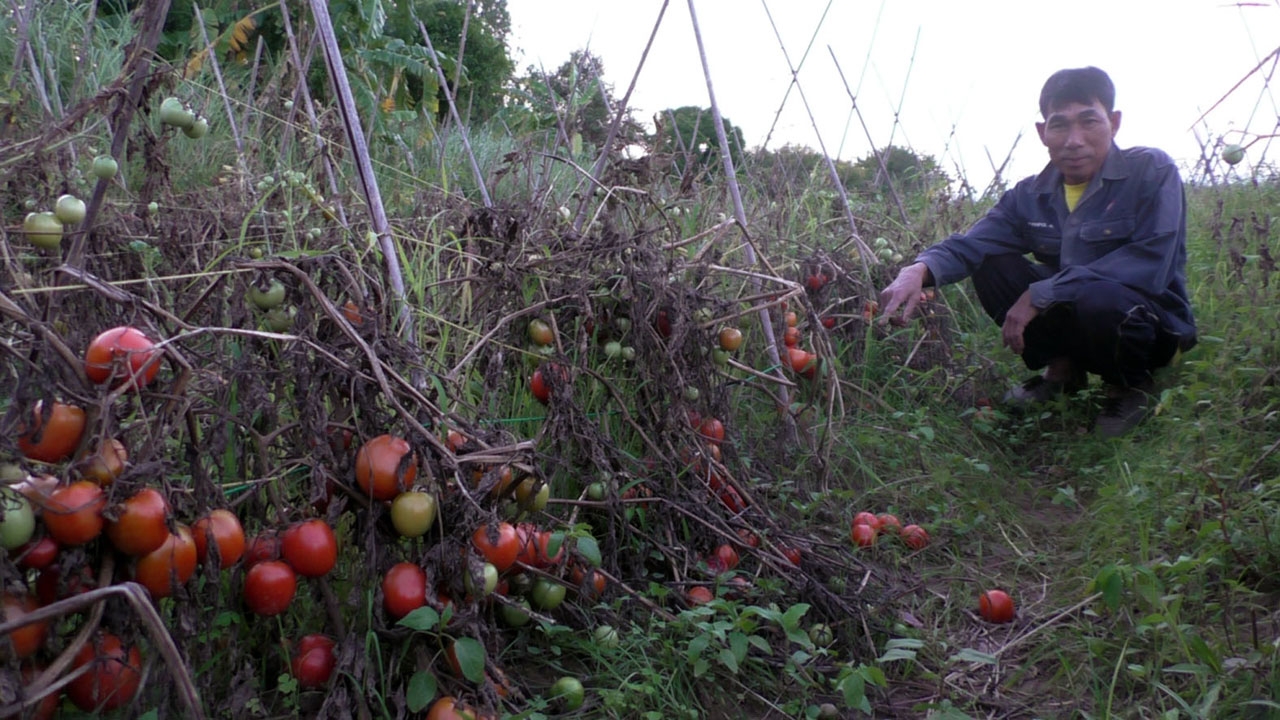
904,293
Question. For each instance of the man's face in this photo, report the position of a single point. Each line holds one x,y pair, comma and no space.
1078,137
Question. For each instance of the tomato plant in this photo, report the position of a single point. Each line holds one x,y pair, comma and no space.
73,514
995,606
313,661
310,547
404,589
122,354
382,470
141,523
168,566
113,678
498,544
54,439
269,587
915,537
27,639
413,513
863,535
222,528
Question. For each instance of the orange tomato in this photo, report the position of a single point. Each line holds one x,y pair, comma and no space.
73,514
995,606
699,595
791,337
123,354
223,529
141,523
499,544
168,566
27,639
382,472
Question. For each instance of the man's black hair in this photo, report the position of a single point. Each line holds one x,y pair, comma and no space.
1081,85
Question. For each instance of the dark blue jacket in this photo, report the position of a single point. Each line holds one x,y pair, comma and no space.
1130,227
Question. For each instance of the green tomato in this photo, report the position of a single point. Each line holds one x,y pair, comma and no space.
720,357
490,574
612,349
153,207
174,112
105,167
198,129
606,636
18,521
528,499
1232,154
272,297
43,229
413,513
568,692
821,635
277,320
595,491
691,393
516,614
628,353
69,209
547,594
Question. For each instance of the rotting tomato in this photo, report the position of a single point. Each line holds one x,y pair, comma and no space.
792,554
499,544
52,440
863,535
222,528
168,566
314,661
540,383
404,589
27,639
711,430
662,323
382,470
867,518
264,546
995,606
269,587
310,547
105,463
141,523
889,523
699,595
723,559
915,537
122,354
113,679
352,312
73,514
829,322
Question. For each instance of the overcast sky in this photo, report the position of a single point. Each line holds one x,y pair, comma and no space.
963,77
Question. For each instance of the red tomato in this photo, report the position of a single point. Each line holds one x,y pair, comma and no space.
36,554
141,523
27,639
802,362
867,518
73,514
995,606
731,498
541,381
314,661
663,324
828,322
381,468
791,337
889,523
264,546
53,440
168,566
748,538
50,587
864,535
792,554
113,679
711,430
124,354
589,583
791,319
498,544
47,707
816,281
404,589
310,547
269,587
446,708
699,595
915,537
221,528
723,559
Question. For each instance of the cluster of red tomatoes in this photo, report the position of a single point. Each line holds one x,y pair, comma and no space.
867,526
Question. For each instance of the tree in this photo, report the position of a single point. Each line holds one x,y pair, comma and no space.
688,133
486,66
909,173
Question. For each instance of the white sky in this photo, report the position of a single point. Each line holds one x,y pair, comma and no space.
978,67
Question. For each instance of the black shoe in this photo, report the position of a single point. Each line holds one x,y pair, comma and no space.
1037,390
1125,408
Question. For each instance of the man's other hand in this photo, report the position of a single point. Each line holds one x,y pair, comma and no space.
904,293
1016,321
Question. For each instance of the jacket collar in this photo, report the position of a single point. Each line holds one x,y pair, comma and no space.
1114,167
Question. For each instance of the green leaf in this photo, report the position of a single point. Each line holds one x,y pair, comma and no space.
554,542
854,689
422,619
589,549
470,655
760,644
1204,654
874,675
738,645
1111,585
696,646
1187,669
791,618
728,660
422,690
971,655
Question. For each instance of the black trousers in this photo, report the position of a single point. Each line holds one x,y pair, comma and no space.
1112,331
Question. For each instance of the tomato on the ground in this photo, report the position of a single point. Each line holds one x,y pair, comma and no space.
867,518
995,606
863,535
915,537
